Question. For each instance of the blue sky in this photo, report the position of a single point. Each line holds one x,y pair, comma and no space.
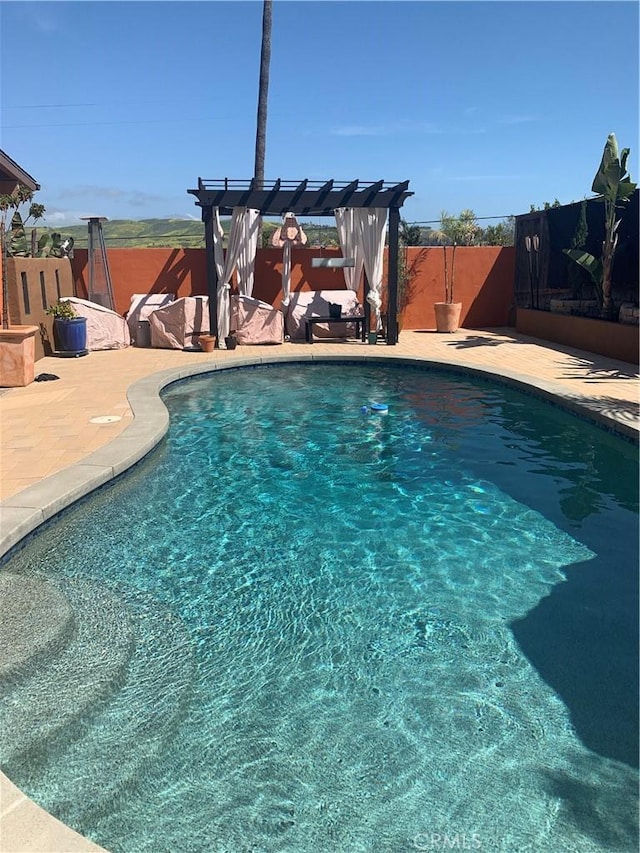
116,108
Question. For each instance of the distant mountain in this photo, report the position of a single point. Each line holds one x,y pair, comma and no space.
173,233
130,233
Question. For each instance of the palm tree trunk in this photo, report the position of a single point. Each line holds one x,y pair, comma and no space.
263,93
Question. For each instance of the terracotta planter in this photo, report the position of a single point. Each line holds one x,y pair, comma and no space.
17,356
447,316
207,343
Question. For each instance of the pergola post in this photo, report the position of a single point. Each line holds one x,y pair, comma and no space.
212,274
392,277
366,303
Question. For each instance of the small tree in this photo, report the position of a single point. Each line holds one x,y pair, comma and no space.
548,205
406,270
455,230
500,234
13,244
410,235
614,187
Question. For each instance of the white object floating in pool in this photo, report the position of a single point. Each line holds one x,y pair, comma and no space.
106,419
379,408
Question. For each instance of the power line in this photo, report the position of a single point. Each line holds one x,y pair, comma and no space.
101,123
46,106
457,219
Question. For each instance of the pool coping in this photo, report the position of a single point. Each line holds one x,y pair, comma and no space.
30,827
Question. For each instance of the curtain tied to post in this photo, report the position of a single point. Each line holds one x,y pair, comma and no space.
241,252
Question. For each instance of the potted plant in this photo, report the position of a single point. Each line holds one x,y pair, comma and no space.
454,230
614,187
448,312
69,329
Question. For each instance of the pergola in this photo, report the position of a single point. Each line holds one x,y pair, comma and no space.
303,198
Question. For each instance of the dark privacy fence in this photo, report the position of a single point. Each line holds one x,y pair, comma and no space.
552,272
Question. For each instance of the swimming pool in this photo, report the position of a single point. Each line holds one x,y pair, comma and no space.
311,628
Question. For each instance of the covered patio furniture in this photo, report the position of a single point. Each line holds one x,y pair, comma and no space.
105,329
256,322
142,305
180,323
317,303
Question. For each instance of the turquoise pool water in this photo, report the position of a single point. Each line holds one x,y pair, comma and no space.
300,627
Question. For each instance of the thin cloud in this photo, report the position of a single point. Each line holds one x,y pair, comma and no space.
60,218
486,178
518,119
362,130
43,20
134,197
386,130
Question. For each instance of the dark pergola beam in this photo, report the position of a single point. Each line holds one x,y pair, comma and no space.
299,198
273,192
371,192
347,194
299,191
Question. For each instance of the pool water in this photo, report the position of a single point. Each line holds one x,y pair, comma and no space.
301,626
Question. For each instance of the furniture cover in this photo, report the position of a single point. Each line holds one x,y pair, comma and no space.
256,322
180,323
105,328
315,303
142,305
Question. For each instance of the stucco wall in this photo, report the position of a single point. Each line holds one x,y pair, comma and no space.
483,278
33,285
614,340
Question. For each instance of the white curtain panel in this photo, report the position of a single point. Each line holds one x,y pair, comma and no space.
218,250
247,256
349,237
372,222
236,237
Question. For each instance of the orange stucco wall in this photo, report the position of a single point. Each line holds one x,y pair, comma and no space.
483,283
179,271
483,279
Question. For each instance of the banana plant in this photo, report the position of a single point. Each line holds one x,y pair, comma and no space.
614,187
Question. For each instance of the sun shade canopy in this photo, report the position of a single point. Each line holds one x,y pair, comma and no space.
304,198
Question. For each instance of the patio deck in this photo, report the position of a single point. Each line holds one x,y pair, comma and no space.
51,453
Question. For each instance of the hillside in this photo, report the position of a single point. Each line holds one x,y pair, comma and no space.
129,233
172,233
